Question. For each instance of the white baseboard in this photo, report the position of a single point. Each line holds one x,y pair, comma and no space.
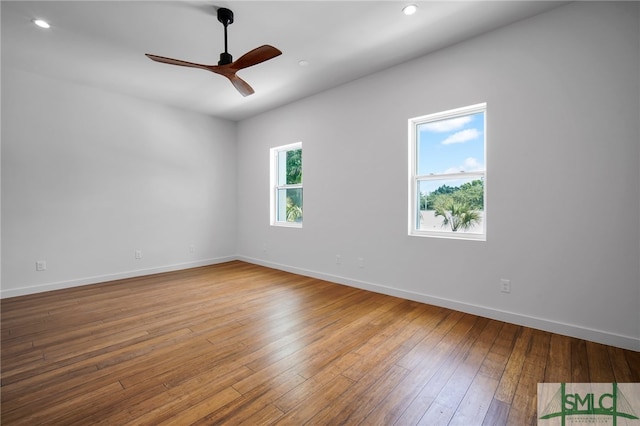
593,335
23,291
599,336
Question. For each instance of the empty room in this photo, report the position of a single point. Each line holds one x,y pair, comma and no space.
320,212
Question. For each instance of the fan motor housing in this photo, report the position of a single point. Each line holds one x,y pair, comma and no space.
225,58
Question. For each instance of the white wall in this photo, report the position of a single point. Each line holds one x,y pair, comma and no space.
563,118
88,177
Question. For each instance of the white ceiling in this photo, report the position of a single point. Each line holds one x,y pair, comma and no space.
102,44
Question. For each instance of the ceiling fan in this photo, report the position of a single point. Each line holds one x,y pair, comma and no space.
227,66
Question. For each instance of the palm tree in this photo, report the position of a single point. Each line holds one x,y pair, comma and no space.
294,212
460,216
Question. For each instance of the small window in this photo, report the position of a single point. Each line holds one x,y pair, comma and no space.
447,168
286,185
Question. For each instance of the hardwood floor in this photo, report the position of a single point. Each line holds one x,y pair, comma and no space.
242,344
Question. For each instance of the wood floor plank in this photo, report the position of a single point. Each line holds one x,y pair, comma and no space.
51,414
496,360
477,400
396,403
323,399
497,414
523,408
255,400
301,392
479,394
447,401
579,361
620,366
158,403
51,374
267,416
430,391
440,329
558,368
600,369
513,370
633,360
243,344
193,413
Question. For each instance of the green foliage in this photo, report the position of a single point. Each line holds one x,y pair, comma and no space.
459,207
471,193
294,167
294,211
458,216
294,176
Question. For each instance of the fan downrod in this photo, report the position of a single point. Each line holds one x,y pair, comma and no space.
225,16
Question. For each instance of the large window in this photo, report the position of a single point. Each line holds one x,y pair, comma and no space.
286,185
447,167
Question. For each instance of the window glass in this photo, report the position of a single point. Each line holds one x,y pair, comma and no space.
448,185
451,205
286,185
452,145
290,205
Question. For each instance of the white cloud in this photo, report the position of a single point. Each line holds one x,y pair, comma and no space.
462,136
470,165
446,125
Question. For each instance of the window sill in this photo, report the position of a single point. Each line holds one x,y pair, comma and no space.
449,235
287,224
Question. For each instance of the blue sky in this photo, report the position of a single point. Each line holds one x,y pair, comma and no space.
451,145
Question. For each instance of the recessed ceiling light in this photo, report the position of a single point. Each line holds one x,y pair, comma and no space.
41,23
303,63
410,9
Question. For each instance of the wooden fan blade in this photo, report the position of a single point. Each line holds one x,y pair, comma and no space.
241,85
251,58
172,61
255,56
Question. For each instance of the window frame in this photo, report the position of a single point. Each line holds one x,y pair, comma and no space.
274,187
415,179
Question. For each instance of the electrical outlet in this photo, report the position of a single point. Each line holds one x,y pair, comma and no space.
338,259
41,265
505,286
138,254
361,262
192,248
